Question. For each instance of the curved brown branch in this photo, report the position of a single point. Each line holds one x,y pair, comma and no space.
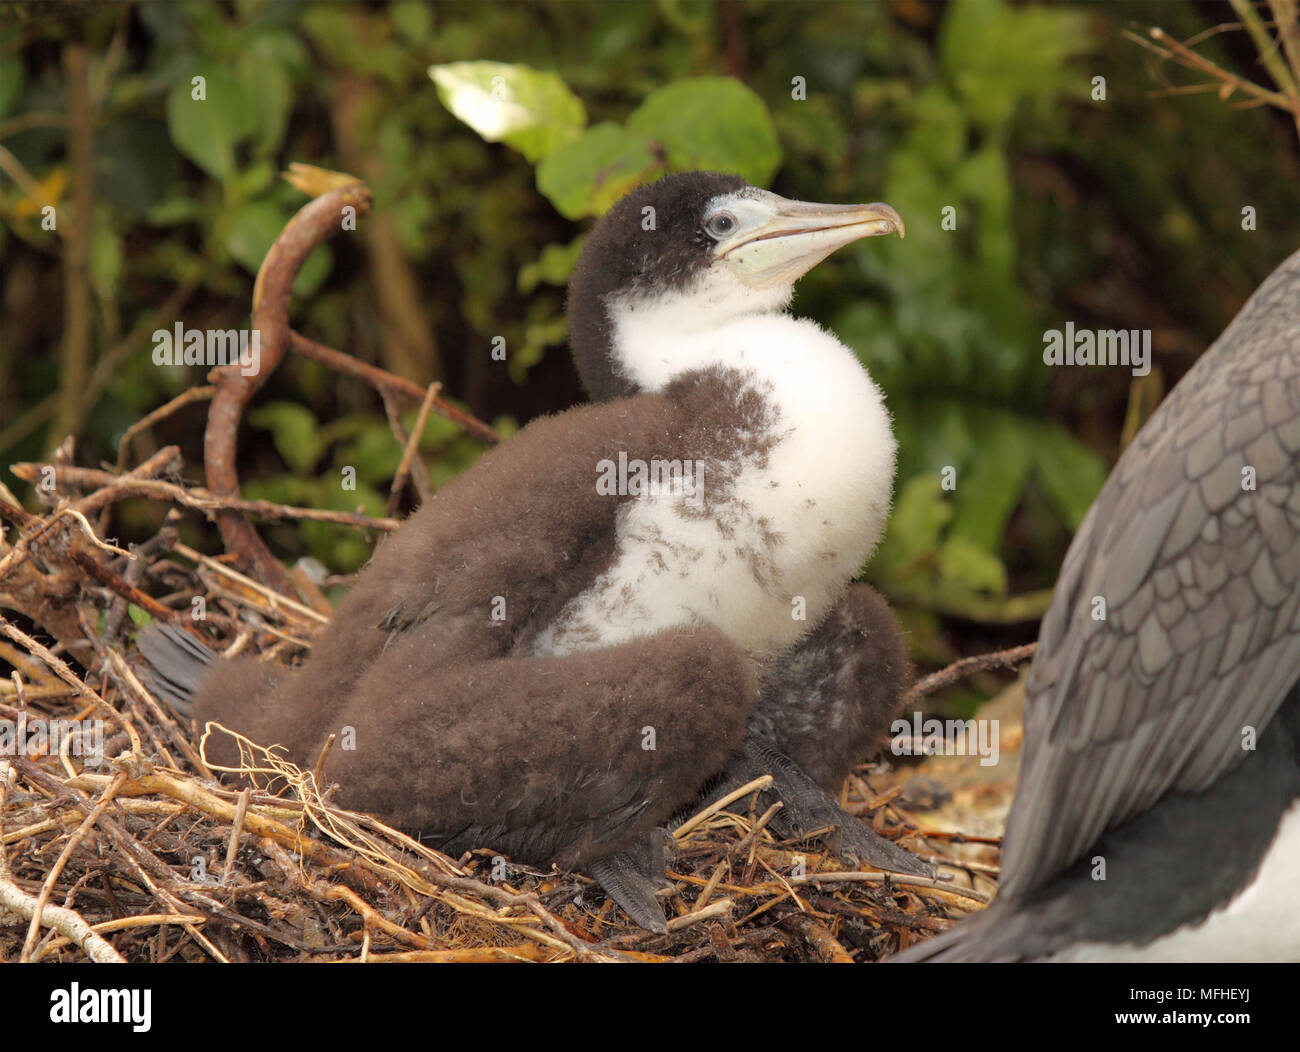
315,221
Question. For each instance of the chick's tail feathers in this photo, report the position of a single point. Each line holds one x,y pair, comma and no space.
176,664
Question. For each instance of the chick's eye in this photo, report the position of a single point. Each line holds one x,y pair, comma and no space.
721,224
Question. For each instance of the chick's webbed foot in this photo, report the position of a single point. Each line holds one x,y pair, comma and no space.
807,807
633,878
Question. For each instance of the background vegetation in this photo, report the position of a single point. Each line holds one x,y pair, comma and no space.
1115,213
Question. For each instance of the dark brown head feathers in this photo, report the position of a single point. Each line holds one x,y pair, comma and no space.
652,237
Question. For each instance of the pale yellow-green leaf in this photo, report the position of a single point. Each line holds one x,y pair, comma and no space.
531,110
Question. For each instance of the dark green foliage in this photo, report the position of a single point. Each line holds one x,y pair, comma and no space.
1116,214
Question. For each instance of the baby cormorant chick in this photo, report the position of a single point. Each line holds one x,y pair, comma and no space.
632,602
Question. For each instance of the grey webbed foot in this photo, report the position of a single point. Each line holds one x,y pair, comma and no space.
632,879
808,807
825,705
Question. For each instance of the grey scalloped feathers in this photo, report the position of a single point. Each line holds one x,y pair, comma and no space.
1157,816
632,603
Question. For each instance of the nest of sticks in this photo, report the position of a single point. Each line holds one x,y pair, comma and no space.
128,846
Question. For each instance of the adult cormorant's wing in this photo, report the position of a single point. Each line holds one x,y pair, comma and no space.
1174,633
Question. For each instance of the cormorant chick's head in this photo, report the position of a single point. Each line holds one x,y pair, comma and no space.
697,249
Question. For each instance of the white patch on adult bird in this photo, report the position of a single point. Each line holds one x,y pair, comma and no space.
1261,923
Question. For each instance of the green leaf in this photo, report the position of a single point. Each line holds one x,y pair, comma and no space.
253,231
12,74
207,130
711,122
552,267
865,327
413,222
983,177
996,54
532,110
924,634
179,208
140,617
538,336
920,514
331,30
375,454
438,430
505,426
250,181
292,489
293,430
135,164
105,255
1070,472
933,433
266,81
584,177
813,128
965,568
988,491
939,125
413,19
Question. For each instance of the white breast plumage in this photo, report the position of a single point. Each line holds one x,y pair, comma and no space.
796,523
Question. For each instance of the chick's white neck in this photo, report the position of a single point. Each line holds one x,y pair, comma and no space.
658,337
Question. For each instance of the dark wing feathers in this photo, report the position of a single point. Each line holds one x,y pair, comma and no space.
525,523
1201,580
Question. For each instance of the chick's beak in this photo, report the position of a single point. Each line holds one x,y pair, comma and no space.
800,234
